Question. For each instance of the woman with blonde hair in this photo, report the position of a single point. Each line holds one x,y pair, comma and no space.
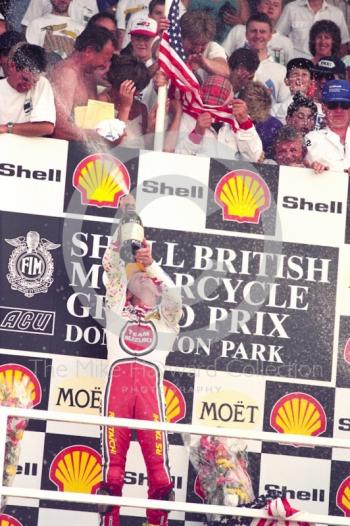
259,101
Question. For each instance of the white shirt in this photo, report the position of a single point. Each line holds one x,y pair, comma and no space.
79,10
36,105
297,18
63,29
272,75
279,109
280,47
324,146
212,51
226,144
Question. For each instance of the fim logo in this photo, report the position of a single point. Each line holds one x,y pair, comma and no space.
243,196
101,180
343,497
22,381
298,414
77,468
7,520
31,264
174,402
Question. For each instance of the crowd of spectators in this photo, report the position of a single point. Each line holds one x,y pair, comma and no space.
283,69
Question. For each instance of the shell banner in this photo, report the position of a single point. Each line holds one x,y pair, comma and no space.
262,256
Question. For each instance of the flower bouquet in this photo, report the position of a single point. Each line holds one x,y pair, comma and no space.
15,395
222,465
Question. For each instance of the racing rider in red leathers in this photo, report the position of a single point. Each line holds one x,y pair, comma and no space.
143,311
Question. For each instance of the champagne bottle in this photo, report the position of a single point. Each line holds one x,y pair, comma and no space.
131,234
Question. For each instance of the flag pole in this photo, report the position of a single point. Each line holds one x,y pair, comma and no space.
161,107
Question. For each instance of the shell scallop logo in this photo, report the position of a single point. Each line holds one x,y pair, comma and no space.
343,497
347,351
174,402
298,414
102,180
21,380
7,520
243,196
77,469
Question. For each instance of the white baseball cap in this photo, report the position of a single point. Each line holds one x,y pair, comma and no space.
144,26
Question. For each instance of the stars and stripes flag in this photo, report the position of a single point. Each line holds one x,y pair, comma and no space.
172,61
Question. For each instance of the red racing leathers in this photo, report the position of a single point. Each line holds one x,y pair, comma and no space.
138,341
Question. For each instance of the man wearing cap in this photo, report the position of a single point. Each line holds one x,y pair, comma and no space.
143,30
329,148
143,309
327,68
298,80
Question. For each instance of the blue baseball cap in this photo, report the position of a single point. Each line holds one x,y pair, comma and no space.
336,91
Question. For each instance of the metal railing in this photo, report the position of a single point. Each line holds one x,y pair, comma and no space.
84,498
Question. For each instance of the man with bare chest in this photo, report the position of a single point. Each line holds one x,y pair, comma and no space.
74,79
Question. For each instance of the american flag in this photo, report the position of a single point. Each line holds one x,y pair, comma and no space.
172,61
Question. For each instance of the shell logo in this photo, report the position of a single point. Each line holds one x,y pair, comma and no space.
347,351
77,468
343,497
174,402
7,520
243,196
102,180
299,414
20,378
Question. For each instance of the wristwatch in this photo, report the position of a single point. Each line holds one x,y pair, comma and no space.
9,127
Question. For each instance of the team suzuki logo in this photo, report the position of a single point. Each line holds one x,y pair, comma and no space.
102,180
298,414
18,379
31,264
175,404
343,497
243,196
138,338
7,520
77,468
347,351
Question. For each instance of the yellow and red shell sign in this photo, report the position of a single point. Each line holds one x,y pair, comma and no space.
102,180
8,520
343,497
19,378
174,402
298,414
77,468
242,195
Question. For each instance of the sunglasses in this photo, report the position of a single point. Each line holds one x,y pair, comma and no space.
336,105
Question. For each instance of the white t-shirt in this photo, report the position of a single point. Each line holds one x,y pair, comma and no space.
213,50
324,146
55,33
272,75
36,105
297,18
79,10
279,109
280,47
